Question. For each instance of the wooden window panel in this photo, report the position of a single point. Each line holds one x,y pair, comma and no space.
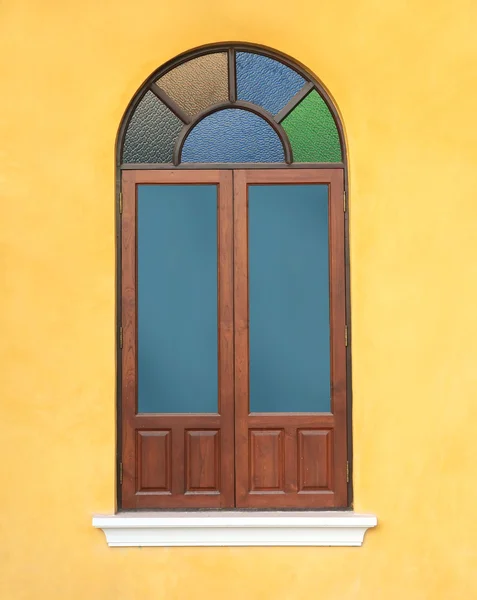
290,460
177,460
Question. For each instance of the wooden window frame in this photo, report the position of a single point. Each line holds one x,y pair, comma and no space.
182,436
231,425
290,428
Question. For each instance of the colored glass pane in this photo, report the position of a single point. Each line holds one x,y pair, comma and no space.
289,335
177,298
312,131
198,83
151,133
232,135
265,81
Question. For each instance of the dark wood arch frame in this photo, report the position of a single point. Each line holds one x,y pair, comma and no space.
150,85
231,47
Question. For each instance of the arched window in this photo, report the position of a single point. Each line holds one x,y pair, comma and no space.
233,327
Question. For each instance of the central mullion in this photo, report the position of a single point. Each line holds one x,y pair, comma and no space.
241,331
225,303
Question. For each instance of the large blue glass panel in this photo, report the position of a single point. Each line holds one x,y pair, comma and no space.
265,81
232,135
177,298
289,298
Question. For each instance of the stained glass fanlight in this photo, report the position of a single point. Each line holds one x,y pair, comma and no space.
231,105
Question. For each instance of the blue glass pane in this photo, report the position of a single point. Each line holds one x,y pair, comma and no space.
289,298
265,81
177,298
232,135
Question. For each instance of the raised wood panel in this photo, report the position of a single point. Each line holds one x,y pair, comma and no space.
202,461
154,469
267,460
315,460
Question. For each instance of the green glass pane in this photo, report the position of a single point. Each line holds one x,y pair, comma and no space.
198,83
312,131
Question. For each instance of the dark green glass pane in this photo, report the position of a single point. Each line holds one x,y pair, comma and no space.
177,298
151,133
312,131
198,83
289,334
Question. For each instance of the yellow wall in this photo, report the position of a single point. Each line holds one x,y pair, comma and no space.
403,75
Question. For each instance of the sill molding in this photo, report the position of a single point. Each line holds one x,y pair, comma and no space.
213,528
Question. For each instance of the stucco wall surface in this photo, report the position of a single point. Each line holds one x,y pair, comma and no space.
404,77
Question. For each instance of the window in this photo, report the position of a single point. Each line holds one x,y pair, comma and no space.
233,328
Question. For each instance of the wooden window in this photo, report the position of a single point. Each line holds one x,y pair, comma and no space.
233,328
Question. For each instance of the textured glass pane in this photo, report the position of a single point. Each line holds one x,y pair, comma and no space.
265,81
151,133
198,83
312,131
177,298
288,296
232,135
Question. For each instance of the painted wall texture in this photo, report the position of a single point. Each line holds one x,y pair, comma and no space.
404,77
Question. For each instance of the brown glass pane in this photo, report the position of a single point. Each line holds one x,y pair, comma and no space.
198,83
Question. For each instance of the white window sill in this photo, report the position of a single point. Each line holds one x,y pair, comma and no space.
214,528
